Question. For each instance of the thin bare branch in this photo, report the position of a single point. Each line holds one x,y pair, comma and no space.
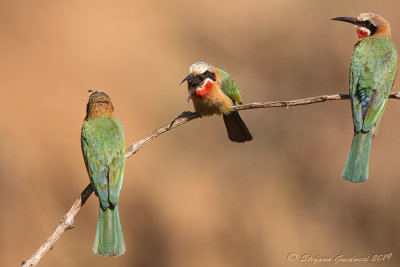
67,222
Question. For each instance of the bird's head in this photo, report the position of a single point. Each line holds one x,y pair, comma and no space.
368,24
201,79
99,104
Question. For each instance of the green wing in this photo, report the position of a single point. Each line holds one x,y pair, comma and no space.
103,148
372,71
229,87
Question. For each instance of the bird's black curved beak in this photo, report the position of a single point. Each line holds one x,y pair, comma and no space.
191,91
347,19
187,78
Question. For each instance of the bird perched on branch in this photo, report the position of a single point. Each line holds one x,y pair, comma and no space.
372,71
213,91
103,148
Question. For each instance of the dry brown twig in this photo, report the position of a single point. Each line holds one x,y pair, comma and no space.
67,222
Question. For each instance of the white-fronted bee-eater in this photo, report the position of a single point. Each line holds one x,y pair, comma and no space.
372,72
103,148
213,91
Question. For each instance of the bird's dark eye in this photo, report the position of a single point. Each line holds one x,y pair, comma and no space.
204,75
369,25
208,74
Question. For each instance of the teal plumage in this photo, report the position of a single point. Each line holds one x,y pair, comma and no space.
372,72
103,147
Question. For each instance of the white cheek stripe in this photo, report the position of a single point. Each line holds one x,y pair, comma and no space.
363,29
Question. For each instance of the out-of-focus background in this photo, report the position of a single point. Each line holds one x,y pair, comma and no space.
191,197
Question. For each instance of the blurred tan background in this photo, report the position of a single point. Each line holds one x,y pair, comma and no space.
191,197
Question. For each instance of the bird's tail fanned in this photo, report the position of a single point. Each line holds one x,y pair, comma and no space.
356,169
236,128
109,240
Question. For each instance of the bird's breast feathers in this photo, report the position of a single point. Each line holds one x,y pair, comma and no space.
211,100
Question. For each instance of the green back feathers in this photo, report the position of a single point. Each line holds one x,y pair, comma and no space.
372,71
229,87
103,147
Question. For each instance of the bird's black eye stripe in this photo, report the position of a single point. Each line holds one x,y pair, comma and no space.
369,25
208,74
198,79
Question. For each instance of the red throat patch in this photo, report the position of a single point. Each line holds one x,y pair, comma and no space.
205,90
361,33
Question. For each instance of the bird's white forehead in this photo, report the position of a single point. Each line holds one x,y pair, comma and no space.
199,68
365,16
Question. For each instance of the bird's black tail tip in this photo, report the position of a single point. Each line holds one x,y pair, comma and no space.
236,128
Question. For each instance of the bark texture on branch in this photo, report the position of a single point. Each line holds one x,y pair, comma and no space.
67,222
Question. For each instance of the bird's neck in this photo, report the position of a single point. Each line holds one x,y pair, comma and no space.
98,110
383,30
371,39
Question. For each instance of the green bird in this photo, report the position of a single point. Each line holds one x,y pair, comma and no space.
213,91
103,148
372,72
